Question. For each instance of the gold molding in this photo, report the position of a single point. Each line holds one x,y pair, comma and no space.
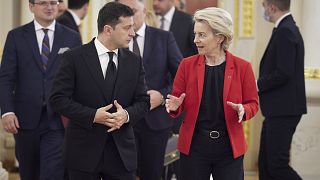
312,73
148,5
247,18
236,22
246,129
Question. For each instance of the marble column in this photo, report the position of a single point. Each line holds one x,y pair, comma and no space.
89,27
7,20
306,141
25,14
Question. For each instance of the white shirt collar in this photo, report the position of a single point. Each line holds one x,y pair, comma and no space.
75,17
168,16
280,19
38,26
142,31
101,49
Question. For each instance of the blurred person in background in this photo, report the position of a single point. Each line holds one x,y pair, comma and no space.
282,93
61,8
178,22
77,11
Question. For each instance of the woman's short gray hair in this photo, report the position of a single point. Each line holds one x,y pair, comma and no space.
220,22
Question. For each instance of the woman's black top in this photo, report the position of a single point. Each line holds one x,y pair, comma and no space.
211,113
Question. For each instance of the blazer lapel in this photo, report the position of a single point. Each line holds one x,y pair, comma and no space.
148,44
31,38
228,75
274,31
175,21
271,38
121,71
74,24
57,41
200,74
91,58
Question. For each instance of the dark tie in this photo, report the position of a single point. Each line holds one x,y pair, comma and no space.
274,30
45,49
111,69
135,47
110,77
162,22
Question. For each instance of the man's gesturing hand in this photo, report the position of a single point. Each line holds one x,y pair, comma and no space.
119,117
104,117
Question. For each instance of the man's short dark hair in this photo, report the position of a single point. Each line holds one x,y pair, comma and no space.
110,13
283,5
32,1
77,4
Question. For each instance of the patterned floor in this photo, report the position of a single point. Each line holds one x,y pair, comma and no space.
247,177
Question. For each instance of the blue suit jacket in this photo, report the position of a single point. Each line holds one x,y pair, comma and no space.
24,84
161,58
281,79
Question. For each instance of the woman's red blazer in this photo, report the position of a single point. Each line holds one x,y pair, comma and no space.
239,87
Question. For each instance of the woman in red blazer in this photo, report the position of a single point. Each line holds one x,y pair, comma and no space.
217,91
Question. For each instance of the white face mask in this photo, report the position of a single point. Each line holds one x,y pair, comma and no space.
266,16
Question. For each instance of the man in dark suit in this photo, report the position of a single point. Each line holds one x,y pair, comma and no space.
29,63
101,89
77,11
179,23
161,57
281,90
61,7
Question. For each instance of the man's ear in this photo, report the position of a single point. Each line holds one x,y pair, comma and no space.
31,7
86,7
107,29
273,7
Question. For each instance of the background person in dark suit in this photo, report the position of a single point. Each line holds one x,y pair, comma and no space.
61,7
77,11
101,89
217,96
281,90
179,23
29,63
161,57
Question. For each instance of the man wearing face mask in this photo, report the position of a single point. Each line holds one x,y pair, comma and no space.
281,90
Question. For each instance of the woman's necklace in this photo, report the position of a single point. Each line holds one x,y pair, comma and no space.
218,61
